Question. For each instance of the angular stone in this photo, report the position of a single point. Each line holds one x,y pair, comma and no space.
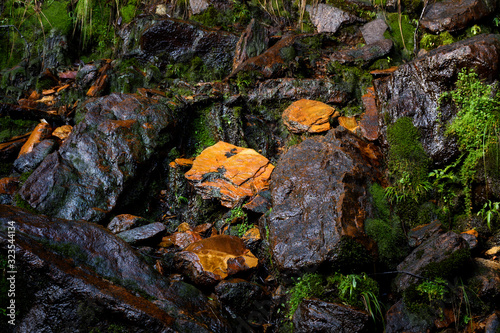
71,279
41,132
8,187
308,116
168,41
314,315
229,173
329,19
398,320
29,161
373,31
239,295
198,6
452,15
319,195
471,237
366,54
124,222
180,239
211,260
369,120
420,234
414,88
261,203
435,250
486,277
85,178
147,234
349,123
10,150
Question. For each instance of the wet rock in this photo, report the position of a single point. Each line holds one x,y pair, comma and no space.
147,234
365,54
229,173
450,15
373,31
252,238
41,132
253,42
418,235
308,116
225,121
260,203
55,51
414,88
438,250
369,120
239,295
67,267
348,123
295,89
100,159
486,278
86,75
125,222
319,194
29,161
198,6
492,323
470,237
172,41
399,320
314,315
211,260
329,19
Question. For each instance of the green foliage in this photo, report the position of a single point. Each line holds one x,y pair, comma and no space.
476,125
407,162
128,12
309,285
430,41
239,215
489,211
444,184
401,34
433,289
386,229
240,12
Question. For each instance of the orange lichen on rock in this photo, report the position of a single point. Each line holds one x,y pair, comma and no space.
348,122
308,116
62,132
41,132
229,173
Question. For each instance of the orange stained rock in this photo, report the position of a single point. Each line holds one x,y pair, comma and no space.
223,254
348,122
308,116
180,239
235,173
369,119
34,95
472,232
48,91
41,132
384,71
183,227
252,233
181,162
63,87
62,132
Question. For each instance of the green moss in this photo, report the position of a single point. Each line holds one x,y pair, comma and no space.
240,12
450,267
128,12
407,161
202,134
430,41
57,17
309,285
10,127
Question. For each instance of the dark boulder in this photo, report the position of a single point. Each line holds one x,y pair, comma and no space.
452,15
364,54
414,88
171,41
443,255
29,161
101,157
67,267
399,319
314,315
319,195
239,295
125,222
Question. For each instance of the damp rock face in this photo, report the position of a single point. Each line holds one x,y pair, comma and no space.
319,195
101,157
451,15
67,267
314,315
327,18
414,88
229,173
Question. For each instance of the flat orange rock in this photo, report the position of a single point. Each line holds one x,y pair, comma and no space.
63,132
308,116
181,162
222,254
369,120
229,173
348,122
